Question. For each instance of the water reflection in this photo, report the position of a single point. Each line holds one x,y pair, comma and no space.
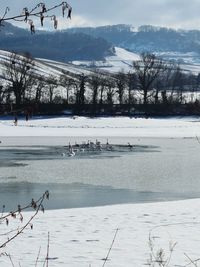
77,195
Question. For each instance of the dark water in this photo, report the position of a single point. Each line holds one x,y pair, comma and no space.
77,195
153,170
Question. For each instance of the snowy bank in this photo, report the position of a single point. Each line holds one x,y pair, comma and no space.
117,126
82,237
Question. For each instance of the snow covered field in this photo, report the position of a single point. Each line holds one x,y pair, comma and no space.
82,126
121,61
82,237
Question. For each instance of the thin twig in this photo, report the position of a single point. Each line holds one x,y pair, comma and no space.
9,256
37,209
113,241
5,13
33,14
197,260
191,261
40,200
38,257
47,257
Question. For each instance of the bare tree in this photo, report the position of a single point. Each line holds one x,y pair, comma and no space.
51,84
80,89
147,71
19,70
158,85
131,84
110,91
174,80
40,11
68,83
102,90
2,93
177,84
193,85
95,83
39,89
121,85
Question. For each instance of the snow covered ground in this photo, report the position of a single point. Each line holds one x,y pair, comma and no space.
108,126
82,237
121,61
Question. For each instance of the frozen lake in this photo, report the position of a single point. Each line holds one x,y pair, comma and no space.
155,169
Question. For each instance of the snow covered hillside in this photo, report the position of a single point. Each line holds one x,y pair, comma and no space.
121,61
45,67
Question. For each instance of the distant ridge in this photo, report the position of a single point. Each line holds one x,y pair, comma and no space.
148,38
59,45
97,43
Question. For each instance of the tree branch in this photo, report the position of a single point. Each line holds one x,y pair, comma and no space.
36,205
36,13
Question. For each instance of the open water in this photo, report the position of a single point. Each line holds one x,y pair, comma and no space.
154,169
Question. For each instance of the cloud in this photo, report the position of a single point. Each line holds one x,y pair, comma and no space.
169,13
77,21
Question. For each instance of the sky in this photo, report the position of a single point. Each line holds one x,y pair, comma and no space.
169,13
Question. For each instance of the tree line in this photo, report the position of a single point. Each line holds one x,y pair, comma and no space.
151,83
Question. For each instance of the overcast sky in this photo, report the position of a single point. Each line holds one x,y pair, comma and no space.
170,13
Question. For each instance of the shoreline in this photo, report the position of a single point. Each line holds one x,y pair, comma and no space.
186,127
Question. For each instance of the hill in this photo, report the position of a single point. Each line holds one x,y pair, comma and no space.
169,43
60,45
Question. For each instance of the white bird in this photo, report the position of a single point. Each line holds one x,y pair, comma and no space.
71,153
